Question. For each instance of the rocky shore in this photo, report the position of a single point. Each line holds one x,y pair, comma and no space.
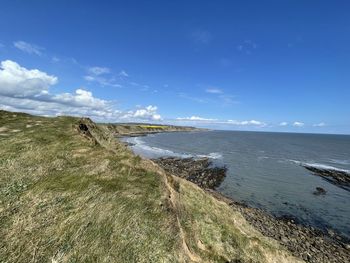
310,244
199,171
336,177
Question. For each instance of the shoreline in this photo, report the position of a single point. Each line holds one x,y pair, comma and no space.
306,242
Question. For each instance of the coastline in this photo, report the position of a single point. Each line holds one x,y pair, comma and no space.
121,130
306,242
72,189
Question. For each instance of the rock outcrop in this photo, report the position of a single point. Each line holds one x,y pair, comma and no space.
199,171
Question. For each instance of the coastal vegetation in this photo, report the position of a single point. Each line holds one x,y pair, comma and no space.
70,192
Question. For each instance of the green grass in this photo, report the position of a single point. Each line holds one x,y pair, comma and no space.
69,197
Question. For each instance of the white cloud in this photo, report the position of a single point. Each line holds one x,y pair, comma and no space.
123,74
321,124
252,123
298,124
81,98
28,48
147,113
98,70
27,90
214,91
247,123
283,123
195,118
16,81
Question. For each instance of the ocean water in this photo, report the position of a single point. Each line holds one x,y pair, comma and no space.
264,170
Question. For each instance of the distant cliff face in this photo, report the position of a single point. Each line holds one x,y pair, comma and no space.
137,129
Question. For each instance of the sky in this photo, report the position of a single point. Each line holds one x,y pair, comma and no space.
237,65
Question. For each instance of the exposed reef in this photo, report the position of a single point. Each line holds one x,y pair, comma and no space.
339,178
199,171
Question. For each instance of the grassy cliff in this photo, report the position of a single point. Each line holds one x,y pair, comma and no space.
129,129
69,192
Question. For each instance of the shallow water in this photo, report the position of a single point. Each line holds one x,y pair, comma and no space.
264,169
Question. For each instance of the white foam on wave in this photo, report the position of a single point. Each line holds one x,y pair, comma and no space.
213,155
263,157
337,161
320,166
139,144
326,167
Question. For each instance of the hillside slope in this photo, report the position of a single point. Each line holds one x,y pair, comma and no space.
137,129
69,192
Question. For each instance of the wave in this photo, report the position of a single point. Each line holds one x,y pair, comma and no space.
139,145
213,155
337,161
320,166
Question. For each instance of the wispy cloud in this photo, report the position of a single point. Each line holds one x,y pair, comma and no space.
298,124
123,74
188,97
195,118
28,48
67,61
99,70
214,91
225,99
102,81
247,123
102,76
321,124
247,47
55,59
203,120
283,123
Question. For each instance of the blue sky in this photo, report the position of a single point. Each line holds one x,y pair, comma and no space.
247,65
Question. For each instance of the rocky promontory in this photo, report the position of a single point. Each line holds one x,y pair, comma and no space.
340,178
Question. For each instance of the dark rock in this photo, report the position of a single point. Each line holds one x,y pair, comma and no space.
319,191
199,171
83,127
336,177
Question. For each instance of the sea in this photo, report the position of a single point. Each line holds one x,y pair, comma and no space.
265,170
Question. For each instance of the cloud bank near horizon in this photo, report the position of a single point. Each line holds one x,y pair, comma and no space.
28,90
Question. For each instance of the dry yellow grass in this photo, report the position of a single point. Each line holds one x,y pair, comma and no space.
72,197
